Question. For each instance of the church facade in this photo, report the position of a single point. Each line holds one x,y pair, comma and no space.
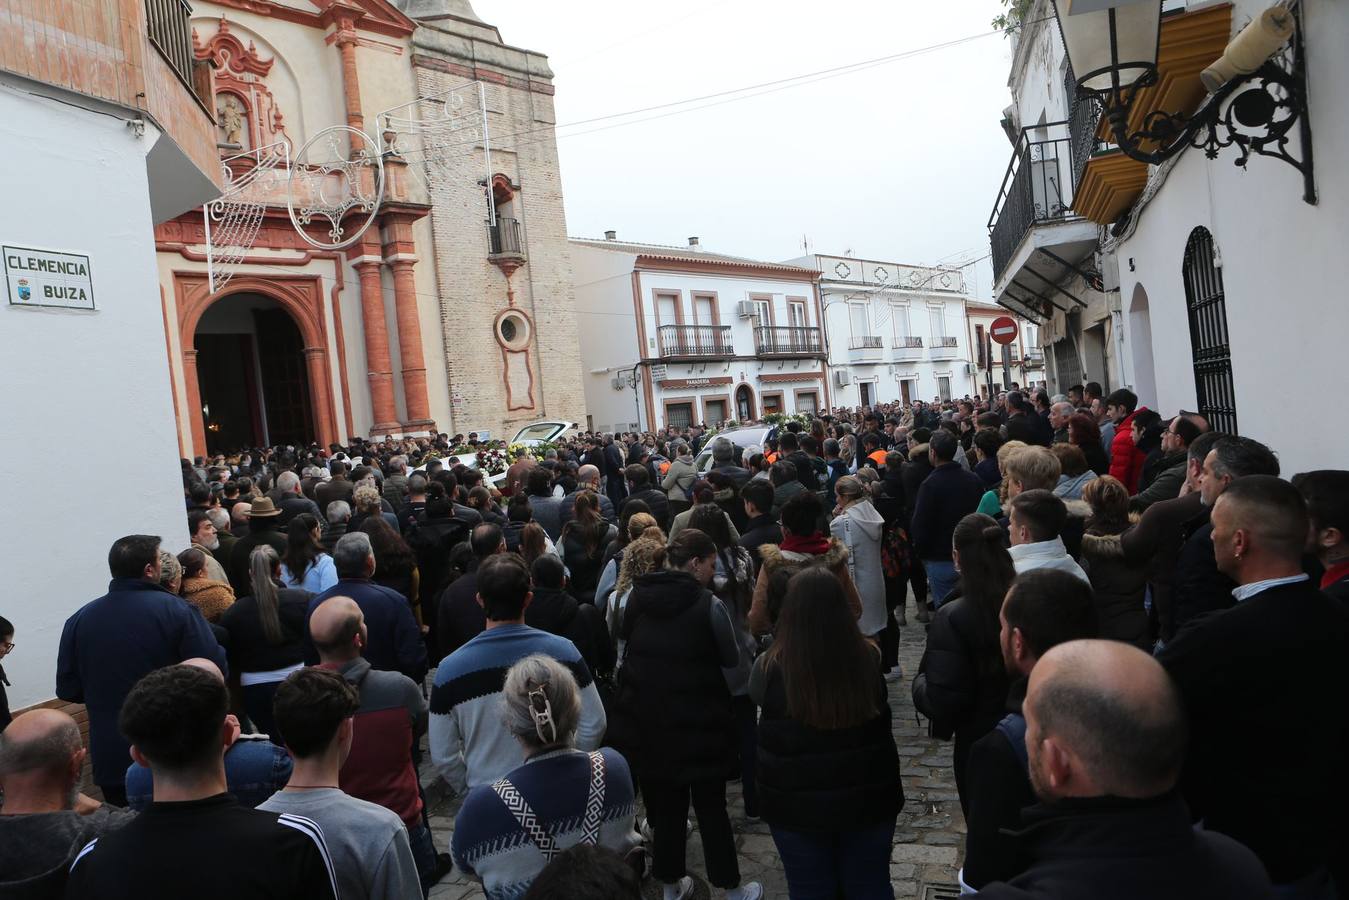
452,312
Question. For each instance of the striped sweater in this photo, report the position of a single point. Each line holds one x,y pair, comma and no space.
505,841
470,745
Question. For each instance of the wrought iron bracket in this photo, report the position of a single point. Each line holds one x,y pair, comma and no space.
1257,113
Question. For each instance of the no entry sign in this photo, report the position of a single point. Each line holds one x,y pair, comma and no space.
1003,330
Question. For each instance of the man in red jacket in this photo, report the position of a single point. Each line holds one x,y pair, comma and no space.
1126,460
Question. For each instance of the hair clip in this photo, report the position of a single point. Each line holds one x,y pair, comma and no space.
542,712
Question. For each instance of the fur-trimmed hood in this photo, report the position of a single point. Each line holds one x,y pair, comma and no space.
774,557
1102,546
1078,509
918,451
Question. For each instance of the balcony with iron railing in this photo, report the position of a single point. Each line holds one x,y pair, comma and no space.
907,348
695,341
944,347
1034,359
787,341
503,239
1036,190
866,348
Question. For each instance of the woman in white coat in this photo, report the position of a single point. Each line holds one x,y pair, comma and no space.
858,527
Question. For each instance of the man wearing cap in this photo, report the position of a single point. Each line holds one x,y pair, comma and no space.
263,521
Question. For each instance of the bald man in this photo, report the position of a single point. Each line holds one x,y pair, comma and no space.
1105,734
588,479
1276,658
255,768
45,820
391,719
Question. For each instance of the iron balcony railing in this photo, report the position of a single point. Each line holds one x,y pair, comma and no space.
504,237
1036,190
945,341
865,342
907,343
1084,116
169,25
787,341
695,340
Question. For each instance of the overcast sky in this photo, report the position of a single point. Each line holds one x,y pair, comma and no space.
901,161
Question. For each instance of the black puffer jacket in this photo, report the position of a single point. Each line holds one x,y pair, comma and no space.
558,612
816,780
672,718
1119,590
961,683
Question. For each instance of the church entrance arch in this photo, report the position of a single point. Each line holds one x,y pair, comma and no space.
255,363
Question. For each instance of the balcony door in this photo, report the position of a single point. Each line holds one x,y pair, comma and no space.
937,322
705,309
796,313
899,318
667,309
857,316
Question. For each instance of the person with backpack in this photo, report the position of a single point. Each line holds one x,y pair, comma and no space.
680,476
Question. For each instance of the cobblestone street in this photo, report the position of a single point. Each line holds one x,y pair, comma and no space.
928,836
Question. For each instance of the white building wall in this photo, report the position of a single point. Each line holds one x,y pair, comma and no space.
608,333
83,389
1284,270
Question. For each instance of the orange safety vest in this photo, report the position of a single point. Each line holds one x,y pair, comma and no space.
878,457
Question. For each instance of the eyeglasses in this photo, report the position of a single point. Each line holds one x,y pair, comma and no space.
7,646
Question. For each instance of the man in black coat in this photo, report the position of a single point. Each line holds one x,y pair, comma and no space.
639,488
724,461
613,472
1265,682
1200,586
947,495
557,612
1105,734
1044,608
761,527
588,479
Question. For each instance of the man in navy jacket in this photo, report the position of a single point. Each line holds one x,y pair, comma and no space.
947,495
394,642
111,643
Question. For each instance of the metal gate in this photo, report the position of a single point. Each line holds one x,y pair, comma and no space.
1210,344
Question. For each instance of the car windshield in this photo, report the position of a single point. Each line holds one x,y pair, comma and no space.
540,431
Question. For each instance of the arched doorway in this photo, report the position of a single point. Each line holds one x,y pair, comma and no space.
252,375
744,403
1140,339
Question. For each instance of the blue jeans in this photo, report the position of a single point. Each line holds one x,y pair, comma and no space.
941,579
823,866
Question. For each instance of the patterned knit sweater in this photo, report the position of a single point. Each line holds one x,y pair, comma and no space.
506,833
470,745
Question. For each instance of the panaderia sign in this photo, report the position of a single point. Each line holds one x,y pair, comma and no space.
48,278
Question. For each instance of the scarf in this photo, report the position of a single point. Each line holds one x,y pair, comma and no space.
814,545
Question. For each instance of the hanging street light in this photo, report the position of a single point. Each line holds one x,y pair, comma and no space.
1254,104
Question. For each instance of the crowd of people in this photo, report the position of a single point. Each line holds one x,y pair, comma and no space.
1134,638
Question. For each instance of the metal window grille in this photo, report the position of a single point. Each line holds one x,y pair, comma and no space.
169,25
1210,343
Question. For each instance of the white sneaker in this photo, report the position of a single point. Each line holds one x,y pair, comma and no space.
685,887
749,891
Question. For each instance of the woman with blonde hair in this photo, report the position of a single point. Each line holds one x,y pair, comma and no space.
643,555
1119,587
630,528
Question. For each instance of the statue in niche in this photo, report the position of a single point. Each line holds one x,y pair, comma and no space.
231,122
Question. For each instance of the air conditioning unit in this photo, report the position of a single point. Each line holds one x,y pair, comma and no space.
745,309
842,377
971,369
